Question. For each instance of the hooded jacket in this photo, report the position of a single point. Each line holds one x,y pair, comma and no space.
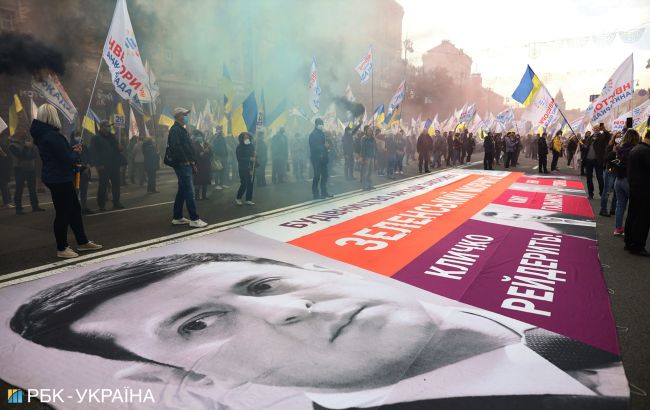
56,153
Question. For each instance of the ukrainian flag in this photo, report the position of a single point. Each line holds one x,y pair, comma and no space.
166,117
528,87
228,90
428,124
14,109
379,115
394,116
244,118
278,117
91,122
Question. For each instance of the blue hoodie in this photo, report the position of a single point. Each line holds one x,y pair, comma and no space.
56,153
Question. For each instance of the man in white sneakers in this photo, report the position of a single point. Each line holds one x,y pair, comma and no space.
180,156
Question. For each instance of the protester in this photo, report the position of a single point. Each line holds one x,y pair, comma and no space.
368,151
621,184
107,159
498,148
400,146
609,176
262,157
5,173
59,161
347,143
203,155
137,161
279,157
299,156
319,160
439,149
85,172
24,154
391,156
509,143
151,163
637,222
572,146
246,163
424,148
180,155
469,145
456,147
542,152
488,148
219,159
593,157
556,150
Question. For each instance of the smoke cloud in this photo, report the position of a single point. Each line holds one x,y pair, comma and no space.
355,109
21,53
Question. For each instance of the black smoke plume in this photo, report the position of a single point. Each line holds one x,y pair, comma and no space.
21,53
354,108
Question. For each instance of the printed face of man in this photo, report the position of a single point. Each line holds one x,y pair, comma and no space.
269,324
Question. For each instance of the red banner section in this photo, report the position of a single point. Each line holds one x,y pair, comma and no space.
388,239
546,201
556,182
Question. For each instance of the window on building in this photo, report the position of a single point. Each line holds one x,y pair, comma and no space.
7,19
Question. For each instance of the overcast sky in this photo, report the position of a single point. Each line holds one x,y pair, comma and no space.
572,50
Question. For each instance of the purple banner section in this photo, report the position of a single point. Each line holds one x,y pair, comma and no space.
549,280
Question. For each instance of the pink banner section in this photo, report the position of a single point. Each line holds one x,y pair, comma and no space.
546,201
556,182
549,280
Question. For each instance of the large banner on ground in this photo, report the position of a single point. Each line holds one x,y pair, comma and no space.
455,290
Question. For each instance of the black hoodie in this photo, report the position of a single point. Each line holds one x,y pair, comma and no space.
56,153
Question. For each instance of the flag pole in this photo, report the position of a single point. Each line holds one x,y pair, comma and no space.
372,96
90,100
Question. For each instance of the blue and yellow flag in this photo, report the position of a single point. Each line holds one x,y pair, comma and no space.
278,117
91,122
379,115
166,117
15,107
244,118
528,87
228,90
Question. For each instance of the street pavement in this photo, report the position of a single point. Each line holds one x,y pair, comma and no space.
27,245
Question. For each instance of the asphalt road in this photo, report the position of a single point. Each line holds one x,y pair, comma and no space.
27,244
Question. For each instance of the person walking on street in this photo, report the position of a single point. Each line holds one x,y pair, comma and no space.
203,156
220,159
262,156
609,177
542,152
319,159
180,155
424,147
593,157
556,150
24,154
246,163
368,153
488,156
621,185
509,142
637,223
107,159
347,143
279,157
59,160
151,163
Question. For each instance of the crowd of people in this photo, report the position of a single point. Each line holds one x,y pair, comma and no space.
204,160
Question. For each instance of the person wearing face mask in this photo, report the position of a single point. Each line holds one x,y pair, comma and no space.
246,159
319,159
180,155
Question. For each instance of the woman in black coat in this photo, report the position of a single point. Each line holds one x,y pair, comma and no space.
203,176
58,173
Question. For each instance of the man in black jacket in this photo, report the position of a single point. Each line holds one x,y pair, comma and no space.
181,154
637,223
542,152
593,158
106,157
347,142
24,153
220,150
319,160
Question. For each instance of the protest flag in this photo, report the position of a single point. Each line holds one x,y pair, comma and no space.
90,122
166,117
244,118
15,107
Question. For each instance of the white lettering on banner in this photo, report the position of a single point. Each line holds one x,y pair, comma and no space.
618,89
122,55
51,89
542,274
552,202
421,215
459,257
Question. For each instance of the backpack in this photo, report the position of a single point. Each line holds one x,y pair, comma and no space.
168,159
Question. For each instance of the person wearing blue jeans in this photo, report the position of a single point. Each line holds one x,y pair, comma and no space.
608,186
180,155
